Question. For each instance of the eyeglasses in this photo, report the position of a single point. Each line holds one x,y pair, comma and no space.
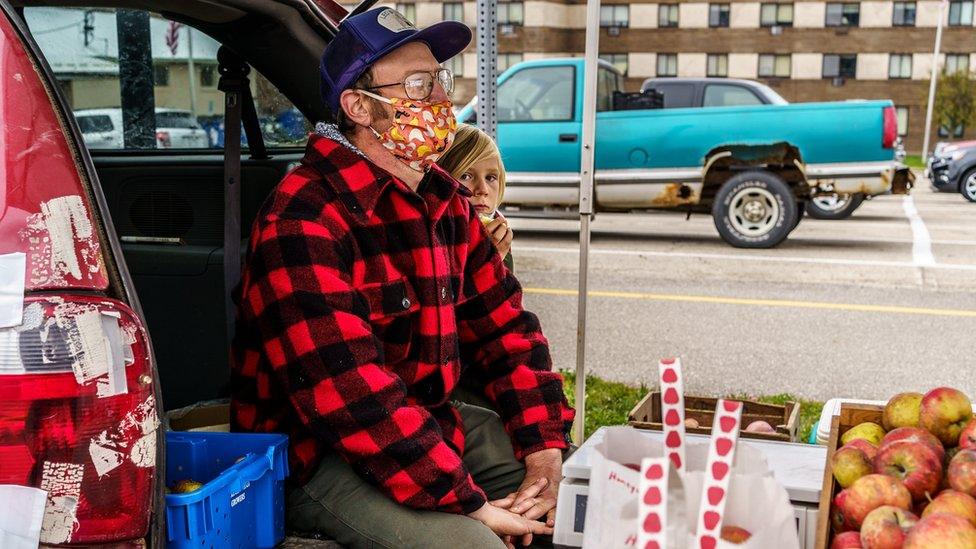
420,85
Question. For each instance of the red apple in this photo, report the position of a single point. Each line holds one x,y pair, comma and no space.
944,413
886,527
849,464
734,534
916,465
760,426
870,492
941,531
902,410
962,472
847,540
954,503
838,517
692,423
967,439
869,449
914,434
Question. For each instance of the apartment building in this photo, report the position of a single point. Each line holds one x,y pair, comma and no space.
807,51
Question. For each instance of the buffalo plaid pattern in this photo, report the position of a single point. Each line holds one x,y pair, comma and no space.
360,300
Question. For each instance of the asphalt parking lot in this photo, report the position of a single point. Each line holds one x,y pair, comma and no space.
882,302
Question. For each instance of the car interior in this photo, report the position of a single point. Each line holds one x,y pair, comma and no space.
167,205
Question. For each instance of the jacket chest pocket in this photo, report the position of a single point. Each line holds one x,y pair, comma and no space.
393,309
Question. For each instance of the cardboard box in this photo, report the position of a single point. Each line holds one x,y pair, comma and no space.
213,415
784,418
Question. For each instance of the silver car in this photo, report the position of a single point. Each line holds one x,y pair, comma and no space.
175,129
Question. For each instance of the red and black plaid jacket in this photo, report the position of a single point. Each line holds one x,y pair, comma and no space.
359,302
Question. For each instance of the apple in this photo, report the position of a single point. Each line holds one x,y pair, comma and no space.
962,472
954,503
967,438
847,540
914,434
869,449
902,410
941,531
760,426
839,519
849,464
871,432
886,527
692,423
870,492
186,486
916,465
735,534
944,413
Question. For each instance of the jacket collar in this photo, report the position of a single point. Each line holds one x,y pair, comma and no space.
359,184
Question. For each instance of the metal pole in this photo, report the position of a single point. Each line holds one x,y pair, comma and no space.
932,81
192,70
586,203
487,66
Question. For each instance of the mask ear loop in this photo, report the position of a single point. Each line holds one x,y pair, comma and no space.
380,98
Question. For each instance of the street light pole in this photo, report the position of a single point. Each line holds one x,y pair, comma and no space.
932,81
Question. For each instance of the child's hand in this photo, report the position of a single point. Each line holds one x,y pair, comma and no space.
501,234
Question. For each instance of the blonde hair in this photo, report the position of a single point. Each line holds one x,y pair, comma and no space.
471,146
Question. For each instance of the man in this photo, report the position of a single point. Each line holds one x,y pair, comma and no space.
369,282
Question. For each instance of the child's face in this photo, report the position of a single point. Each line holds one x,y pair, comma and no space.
482,180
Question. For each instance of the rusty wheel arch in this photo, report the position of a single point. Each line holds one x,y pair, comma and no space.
781,158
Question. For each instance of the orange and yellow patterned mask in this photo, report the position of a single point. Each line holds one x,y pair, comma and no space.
421,130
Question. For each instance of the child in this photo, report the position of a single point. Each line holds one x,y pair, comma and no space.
474,160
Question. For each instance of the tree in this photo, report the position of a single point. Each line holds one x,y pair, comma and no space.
955,100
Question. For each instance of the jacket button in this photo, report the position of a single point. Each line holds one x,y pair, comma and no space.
405,303
444,293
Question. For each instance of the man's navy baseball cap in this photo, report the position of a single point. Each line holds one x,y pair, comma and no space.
364,38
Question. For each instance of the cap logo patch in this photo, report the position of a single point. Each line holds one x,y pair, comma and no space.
394,21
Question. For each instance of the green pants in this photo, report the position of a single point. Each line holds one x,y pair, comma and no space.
340,504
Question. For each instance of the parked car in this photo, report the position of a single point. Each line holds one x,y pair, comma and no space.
175,129
952,168
747,158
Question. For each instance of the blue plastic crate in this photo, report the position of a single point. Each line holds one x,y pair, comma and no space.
242,502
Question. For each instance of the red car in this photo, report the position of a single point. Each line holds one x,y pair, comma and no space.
120,252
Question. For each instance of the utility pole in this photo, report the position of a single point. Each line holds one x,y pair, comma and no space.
932,81
191,69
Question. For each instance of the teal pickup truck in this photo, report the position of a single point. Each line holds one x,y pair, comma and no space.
751,164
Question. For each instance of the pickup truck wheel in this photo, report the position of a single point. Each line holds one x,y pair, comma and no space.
834,206
968,186
754,209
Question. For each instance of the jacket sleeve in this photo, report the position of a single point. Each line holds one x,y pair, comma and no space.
504,345
316,334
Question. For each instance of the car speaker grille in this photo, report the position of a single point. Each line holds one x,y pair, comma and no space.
190,209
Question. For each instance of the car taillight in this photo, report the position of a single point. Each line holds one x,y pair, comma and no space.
889,130
163,140
78,418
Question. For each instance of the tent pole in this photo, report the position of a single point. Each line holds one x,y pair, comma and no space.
586,204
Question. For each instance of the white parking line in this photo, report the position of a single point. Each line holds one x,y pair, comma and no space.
746,256
921,240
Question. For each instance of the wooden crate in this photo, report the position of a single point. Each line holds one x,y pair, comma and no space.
850,416
784,418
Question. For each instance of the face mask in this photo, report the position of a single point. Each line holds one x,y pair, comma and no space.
421,130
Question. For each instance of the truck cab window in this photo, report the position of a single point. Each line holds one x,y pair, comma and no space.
676,95
539,94
721,95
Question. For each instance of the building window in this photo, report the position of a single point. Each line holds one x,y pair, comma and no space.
717,65
208,76
161,75
409,11
902,114
961,13
510,13
776,15
453,11
839,66
956,62
667,64
900,65
667,15
455,65
718,15
617,15
618,60
904,15
774,66
843,15
506,60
